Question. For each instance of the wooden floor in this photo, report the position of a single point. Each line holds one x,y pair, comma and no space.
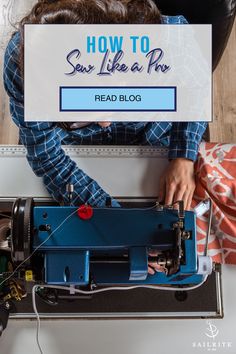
10,12
223,128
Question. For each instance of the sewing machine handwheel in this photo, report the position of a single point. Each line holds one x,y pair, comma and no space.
22,215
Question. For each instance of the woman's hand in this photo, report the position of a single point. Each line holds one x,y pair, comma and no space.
178,182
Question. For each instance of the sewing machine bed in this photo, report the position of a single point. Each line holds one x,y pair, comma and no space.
203,302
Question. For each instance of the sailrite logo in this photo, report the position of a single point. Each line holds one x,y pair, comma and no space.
212,330
212,344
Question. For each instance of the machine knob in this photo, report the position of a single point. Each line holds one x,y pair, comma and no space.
85,212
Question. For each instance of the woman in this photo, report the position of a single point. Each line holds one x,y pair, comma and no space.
43,140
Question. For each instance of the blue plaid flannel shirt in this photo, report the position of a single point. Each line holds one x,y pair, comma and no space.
44,140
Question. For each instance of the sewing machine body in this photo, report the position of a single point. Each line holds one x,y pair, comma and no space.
120,238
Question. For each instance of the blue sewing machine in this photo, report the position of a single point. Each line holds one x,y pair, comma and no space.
109,246
44,243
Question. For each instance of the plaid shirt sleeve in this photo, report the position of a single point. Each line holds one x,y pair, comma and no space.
185,137
43,143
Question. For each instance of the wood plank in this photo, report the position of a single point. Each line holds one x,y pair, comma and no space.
10,12
223,129
8,131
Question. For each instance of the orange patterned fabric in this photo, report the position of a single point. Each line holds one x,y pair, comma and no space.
216,178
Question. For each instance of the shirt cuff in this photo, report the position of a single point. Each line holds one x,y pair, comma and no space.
183,149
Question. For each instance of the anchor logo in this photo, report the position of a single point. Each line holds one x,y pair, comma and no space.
212,330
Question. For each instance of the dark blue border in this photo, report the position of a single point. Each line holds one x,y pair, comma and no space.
118,110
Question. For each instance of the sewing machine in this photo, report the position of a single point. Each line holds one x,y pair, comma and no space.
93,248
